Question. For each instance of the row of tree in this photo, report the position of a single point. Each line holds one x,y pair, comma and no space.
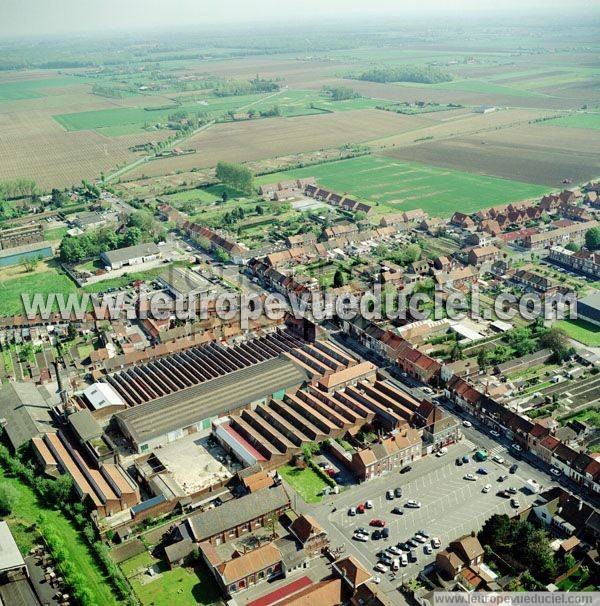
246,87
406,73
340,93
235,176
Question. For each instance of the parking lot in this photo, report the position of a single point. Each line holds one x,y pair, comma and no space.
450,505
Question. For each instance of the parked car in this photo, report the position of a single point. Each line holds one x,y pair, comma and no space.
511,490
376,580
376,535
470,477
486,488
368,504
412,555
395,550
467,424
555,472
517,447
385,533
359,536
381,567
377,522
352,511
360,508
398,491
465,459
398,511
389,495
459,461
482,471
423,533
406,469
404,559
413,504
436,543
441,452
412,543
420,539
502,477
494,433
498,459
515,503
427,549
513,468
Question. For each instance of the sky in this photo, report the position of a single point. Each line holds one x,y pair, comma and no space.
43,17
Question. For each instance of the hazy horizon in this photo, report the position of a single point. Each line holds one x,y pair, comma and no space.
35,18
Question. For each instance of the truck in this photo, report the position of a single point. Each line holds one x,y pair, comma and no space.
481,455
533,486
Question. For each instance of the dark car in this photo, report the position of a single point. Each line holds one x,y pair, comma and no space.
412,556
513,468
398,491
406,469
376,535
465,459
385,533
398,511
459,461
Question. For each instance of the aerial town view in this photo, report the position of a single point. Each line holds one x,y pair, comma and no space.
299,302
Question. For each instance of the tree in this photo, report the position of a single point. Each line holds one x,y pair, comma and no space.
31,263
592,238
133,236
8,498
557,340
338,278
572,246
360,215
496,531
221,255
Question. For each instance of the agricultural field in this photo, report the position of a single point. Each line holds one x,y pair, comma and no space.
527,153
579,120
260,139
397,185
18,89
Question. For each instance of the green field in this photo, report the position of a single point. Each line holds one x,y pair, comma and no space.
42,282
23,522
407,185
128,120
582,331
305,481
475,86
577,121
33,89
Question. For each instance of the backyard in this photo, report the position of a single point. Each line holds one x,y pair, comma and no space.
185,585
305,481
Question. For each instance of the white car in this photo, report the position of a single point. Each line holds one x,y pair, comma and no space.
376,580
420,539
427,549
441,452
515,503
352,511
498,459
517,447
381,567
368,504
555,472
404,560
467,424
470,477
486,488
395,550
413,504
494,433
436,543
359,536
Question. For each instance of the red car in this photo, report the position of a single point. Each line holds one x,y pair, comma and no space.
360,508
330,472
377,522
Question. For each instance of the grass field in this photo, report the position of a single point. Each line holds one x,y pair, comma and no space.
44,282
407,185
128,120
31,89
582,331
577,121
23,522
183,585
305,481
